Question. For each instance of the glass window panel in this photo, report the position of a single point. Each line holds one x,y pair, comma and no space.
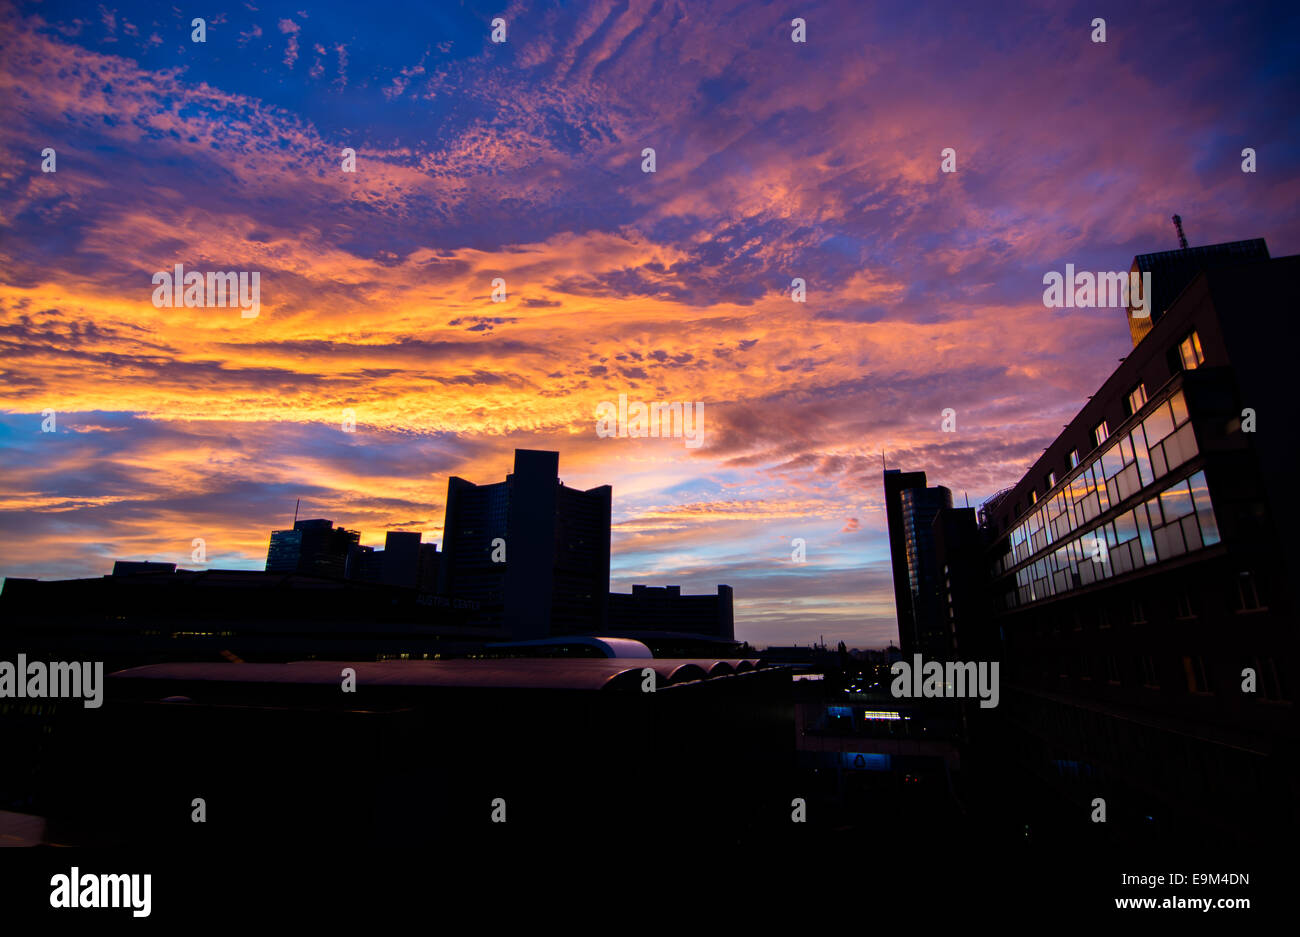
1159,424
1179,406
1143,460
1153,509
1125,527
1186,443
1126,449
1177,501
1190,532
1173,447
1144,534
1158,460
1209,527
1169,541
1200,490
1112,461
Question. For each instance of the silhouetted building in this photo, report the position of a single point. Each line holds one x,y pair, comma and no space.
312,548
136,567
533,552
401,563
207,614
960,592
430,561
1140,571
910,509
364,564
404,561
653,608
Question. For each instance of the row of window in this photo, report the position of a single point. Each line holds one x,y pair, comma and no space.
1178,520
1188,356
1162,442
1245,596
1268,680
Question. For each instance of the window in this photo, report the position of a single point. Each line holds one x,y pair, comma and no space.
1148,665
1183,608
1074,458
1099,433
1112,669
1197,679
1248,594
1033,496
1050,480
1190,353
1137,399
1139,612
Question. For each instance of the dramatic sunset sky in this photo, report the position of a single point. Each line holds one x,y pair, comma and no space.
775,160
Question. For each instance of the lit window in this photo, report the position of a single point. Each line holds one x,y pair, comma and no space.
1074,458
1189,350
1137,399
1099,433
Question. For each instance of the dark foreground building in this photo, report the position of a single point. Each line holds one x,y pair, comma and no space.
423,754
1141,581
216,615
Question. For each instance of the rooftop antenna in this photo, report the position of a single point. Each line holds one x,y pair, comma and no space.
967,497
295,511
1182,239
883,466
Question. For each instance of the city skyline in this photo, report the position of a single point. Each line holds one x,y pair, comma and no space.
924,289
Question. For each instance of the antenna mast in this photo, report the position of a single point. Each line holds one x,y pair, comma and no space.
1182,240
295,511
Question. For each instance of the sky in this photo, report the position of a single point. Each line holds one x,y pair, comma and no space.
523,160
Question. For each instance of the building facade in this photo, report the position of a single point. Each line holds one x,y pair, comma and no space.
532,552
1141,584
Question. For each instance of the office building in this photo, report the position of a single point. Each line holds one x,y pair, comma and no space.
531,551
911,509
311,548
664,609
1141,580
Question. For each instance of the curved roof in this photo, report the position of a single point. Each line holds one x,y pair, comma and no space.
517,673
610,647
